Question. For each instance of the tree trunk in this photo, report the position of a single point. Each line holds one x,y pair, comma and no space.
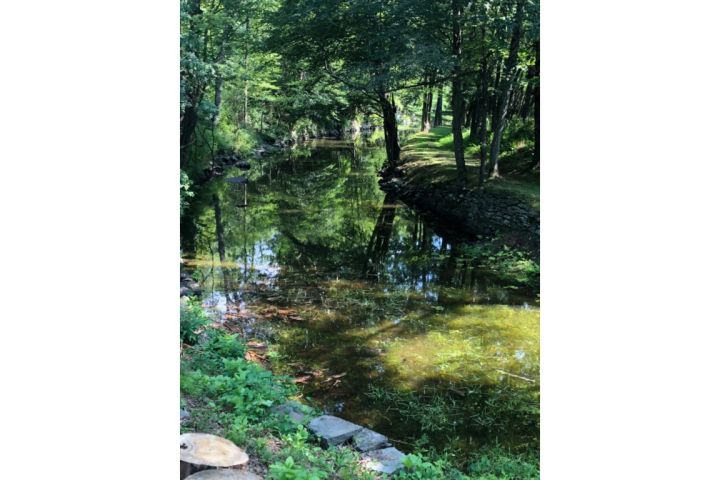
536,105
438,108
475,115
506,87
187,131
202,451
218,98
457,100
246,115
219,233
218,77
390,129
425,112
495,95
429,97
189,116
379,243
482,114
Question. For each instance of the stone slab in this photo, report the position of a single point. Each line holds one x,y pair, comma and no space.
291,409
367,440
333,430
386,460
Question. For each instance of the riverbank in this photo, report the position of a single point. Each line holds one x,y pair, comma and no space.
226,390
508,207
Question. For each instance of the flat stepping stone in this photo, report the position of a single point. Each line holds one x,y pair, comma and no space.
387,460
333,430
367,440
223,474
292,410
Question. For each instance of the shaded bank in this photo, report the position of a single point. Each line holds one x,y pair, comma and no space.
507,207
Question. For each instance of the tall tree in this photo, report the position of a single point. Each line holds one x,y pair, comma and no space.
506,85
369,47
536,105
458,111
437,121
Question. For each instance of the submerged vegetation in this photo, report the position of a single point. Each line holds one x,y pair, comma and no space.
429,340
238,399
411,309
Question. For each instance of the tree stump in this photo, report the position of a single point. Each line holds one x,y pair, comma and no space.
201,451
223,474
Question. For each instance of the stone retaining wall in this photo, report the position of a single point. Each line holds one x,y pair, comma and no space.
466,212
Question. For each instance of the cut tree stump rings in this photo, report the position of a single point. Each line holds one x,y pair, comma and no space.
201,451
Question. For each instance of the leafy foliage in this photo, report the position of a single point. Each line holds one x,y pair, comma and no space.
232,397
185,191
489,464
192,321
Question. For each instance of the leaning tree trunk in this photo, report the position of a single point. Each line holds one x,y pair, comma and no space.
458,111
390,129
482,114
506,87
202,451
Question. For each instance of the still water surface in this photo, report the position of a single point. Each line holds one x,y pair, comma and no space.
379,318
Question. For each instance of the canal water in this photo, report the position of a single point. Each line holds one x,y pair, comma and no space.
376,315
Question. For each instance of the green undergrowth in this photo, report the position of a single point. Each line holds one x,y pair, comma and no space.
230,396
428,159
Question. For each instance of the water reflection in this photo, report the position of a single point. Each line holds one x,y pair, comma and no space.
346,279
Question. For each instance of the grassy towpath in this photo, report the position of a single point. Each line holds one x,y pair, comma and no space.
427,160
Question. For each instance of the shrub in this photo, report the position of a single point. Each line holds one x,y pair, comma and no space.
192,321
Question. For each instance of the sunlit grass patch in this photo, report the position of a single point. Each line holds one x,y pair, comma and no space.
428,159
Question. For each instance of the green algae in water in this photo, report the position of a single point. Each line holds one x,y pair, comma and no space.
469,344
417,335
